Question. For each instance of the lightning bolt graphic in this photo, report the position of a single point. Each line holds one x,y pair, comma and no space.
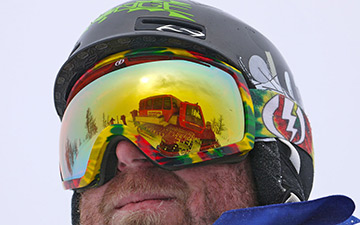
287,115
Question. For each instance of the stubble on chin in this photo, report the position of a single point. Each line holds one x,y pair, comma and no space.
148,217
97,205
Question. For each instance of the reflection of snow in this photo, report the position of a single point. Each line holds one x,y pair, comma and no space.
81,160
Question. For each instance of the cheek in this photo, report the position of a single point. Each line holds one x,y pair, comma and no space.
200,181
89,206
217,187
93,195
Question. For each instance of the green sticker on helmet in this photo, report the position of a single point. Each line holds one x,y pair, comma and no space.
174,8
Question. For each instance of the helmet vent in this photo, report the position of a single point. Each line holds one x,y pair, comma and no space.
170,25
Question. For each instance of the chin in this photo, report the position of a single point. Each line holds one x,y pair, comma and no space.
148,217
162,214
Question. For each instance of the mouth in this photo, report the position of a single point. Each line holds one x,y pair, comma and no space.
144,202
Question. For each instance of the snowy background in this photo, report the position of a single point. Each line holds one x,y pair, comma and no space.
319,39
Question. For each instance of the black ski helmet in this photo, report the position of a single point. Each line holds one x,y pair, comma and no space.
197,27
181,24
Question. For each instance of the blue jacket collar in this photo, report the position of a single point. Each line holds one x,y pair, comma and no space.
324,211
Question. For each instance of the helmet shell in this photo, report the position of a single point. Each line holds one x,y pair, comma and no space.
181,24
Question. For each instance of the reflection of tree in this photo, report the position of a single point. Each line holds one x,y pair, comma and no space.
108,120
123,119
71,152
90,124
218,125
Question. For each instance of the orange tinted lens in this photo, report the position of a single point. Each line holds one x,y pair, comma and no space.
179,107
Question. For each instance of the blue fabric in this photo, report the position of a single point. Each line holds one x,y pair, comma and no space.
324,211
351,220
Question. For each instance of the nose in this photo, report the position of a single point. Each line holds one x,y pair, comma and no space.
130,157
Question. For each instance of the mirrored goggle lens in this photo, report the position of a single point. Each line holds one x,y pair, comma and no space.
181,111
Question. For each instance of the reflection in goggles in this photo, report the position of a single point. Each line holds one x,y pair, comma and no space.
175,111
180,124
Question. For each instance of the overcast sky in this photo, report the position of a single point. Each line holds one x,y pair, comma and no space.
319,39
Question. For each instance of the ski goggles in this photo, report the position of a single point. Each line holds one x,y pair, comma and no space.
178,107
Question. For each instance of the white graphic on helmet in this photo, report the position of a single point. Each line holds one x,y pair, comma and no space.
287,115
174,28
268,115
290,112
288,84
264,75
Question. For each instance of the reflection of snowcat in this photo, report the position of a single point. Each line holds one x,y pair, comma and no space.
180,125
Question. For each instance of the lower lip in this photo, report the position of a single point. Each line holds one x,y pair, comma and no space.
148,204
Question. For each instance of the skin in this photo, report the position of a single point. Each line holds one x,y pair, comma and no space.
142,193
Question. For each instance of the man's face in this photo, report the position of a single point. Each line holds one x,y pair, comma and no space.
142,193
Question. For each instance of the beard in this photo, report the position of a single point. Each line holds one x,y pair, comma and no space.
152,181
219,192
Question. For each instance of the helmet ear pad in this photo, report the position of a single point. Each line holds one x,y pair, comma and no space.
277,176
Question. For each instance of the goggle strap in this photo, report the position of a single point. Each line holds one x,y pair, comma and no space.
279,116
